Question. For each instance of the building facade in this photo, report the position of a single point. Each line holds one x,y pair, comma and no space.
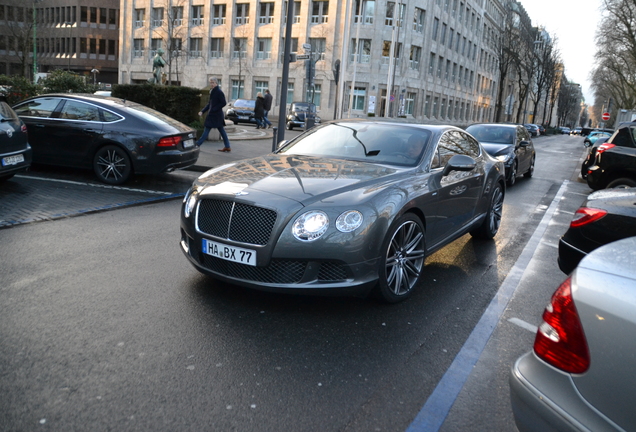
63,35
434,55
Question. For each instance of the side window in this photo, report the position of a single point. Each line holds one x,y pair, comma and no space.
469,145
74,110
109,116
623,137
522,134
447,147
42,107
6,112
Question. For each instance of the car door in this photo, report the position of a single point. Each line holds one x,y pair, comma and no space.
76,132
38,115
456,194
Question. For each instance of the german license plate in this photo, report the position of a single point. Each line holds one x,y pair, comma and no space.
188,143
229,253
244,117
12,160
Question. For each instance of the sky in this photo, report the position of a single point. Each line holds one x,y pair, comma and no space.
573,23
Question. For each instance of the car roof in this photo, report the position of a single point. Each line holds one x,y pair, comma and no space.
510,125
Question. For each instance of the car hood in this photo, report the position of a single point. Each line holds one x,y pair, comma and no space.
496,149
304,179
242,110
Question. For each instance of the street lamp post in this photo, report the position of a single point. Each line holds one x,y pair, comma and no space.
94,72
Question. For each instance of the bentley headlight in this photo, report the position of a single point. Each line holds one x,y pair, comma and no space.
310,226
190,201
349,220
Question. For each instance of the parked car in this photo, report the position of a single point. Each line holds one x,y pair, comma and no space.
15,151
508,143
241,111
299,112
591,156
593,136
541,129
605,216
349,207
532,128
114,137
615,161
564,130
576,131
580,374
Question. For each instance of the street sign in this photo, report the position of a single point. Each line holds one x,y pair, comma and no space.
307,46
605,116
302,57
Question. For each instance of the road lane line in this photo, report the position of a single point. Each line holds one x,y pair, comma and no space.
436,409
524,325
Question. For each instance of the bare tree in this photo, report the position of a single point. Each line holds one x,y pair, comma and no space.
19,23
545,74
503,45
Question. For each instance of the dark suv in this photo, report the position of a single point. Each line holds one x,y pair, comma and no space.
15,151
242,111
615,161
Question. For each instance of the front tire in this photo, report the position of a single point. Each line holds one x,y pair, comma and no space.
490,226
290,126
621,183
112,165
402,260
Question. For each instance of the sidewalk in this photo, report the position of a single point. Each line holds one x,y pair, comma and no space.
245,140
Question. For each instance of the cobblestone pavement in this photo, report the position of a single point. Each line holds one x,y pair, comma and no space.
26,198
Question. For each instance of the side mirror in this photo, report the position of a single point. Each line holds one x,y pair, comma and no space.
524,143
459,163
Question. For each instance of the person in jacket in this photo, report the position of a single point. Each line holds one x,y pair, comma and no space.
268,106
259,111
215,118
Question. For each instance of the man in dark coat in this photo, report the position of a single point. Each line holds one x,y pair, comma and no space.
259,111
268,106
215,118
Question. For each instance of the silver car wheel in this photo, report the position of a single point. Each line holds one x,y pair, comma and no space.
403,260
112,165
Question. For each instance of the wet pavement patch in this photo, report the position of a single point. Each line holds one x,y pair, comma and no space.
25,199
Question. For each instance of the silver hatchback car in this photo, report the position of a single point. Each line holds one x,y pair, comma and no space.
581,374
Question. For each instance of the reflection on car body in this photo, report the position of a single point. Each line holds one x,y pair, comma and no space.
344,208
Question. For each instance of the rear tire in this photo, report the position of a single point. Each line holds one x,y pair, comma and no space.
490,226
402,260
530,172
513,174
621,183
112,165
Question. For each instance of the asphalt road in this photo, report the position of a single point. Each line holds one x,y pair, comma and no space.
105,326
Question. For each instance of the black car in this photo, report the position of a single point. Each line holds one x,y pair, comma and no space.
591,154
614,163
604,217
241,111
533,129
114,137
301,112
15,151
509,143
349,207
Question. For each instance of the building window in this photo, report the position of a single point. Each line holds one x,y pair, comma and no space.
290,92
293,49
409,103
266,15
442,38
83,14
196,47
418,20
103,15
157,17
112,17
239,48
216,48
386,53
93,15
394,15
176,46
260,87
318,45
435,106
296,18
365,11
238,87
435,28
138,47
448,70
442,110
155,44
414,60
320,12
359,98
139,17
242,14
440,65
362,52
218,14
427,106
196,16
315,96
263,48
431,63
176,16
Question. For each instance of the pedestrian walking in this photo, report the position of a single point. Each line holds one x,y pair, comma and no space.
268,106
215,118
259,111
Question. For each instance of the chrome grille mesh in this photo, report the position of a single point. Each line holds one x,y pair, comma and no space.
236,221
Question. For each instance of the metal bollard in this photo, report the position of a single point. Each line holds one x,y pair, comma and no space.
274,143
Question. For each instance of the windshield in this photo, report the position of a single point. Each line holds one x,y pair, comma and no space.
244,103
303,108
492,134
377,143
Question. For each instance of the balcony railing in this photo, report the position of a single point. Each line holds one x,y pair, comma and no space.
139,23
197,21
